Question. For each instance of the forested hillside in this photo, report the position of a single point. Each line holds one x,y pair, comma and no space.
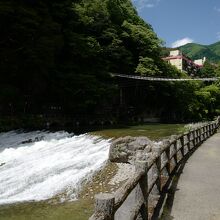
198,51
56,58
57,53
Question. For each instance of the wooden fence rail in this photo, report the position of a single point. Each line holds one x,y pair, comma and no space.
152,175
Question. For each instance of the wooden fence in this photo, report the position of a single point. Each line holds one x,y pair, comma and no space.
151,174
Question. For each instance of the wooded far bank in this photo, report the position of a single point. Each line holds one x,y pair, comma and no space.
57,57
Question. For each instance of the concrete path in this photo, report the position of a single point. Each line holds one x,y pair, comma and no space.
197,196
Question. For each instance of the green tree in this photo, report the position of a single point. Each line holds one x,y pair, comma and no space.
217,70
147,67
208,69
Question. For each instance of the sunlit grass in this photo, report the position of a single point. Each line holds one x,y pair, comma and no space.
152,131
78,210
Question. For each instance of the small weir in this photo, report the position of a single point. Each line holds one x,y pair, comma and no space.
36,166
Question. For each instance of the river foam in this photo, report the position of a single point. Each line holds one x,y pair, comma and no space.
37,166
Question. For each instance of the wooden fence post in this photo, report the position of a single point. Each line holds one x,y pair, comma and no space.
189,140
213,128
104,207
207,132
203,133
182,146
157,150
199,135
168,154
175,155
142,166
216,124
210,129
194,138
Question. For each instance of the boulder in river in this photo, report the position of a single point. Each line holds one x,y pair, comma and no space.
2,164
127,149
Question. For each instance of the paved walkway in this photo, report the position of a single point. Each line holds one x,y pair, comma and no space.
197,196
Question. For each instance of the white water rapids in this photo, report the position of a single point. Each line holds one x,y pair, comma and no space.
40,165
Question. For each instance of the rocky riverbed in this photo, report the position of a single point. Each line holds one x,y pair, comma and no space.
128,149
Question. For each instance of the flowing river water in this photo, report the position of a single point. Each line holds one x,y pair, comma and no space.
37,166
41,172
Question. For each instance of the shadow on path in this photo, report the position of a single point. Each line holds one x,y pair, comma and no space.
169,191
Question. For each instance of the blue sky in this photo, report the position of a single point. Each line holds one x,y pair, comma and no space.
182,21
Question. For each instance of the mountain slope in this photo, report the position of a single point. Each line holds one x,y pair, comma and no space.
197,51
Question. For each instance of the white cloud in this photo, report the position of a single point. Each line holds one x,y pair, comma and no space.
218,35
217,9
181,42
150,5
141,4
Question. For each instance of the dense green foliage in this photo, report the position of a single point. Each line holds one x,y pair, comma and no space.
57,57
198,51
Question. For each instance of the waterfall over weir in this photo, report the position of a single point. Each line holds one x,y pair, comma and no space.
39,165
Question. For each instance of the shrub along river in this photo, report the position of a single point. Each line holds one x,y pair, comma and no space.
41,172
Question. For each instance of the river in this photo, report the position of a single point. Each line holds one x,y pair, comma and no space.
41,172
38,165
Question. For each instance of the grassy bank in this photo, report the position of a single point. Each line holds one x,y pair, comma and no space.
152,131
